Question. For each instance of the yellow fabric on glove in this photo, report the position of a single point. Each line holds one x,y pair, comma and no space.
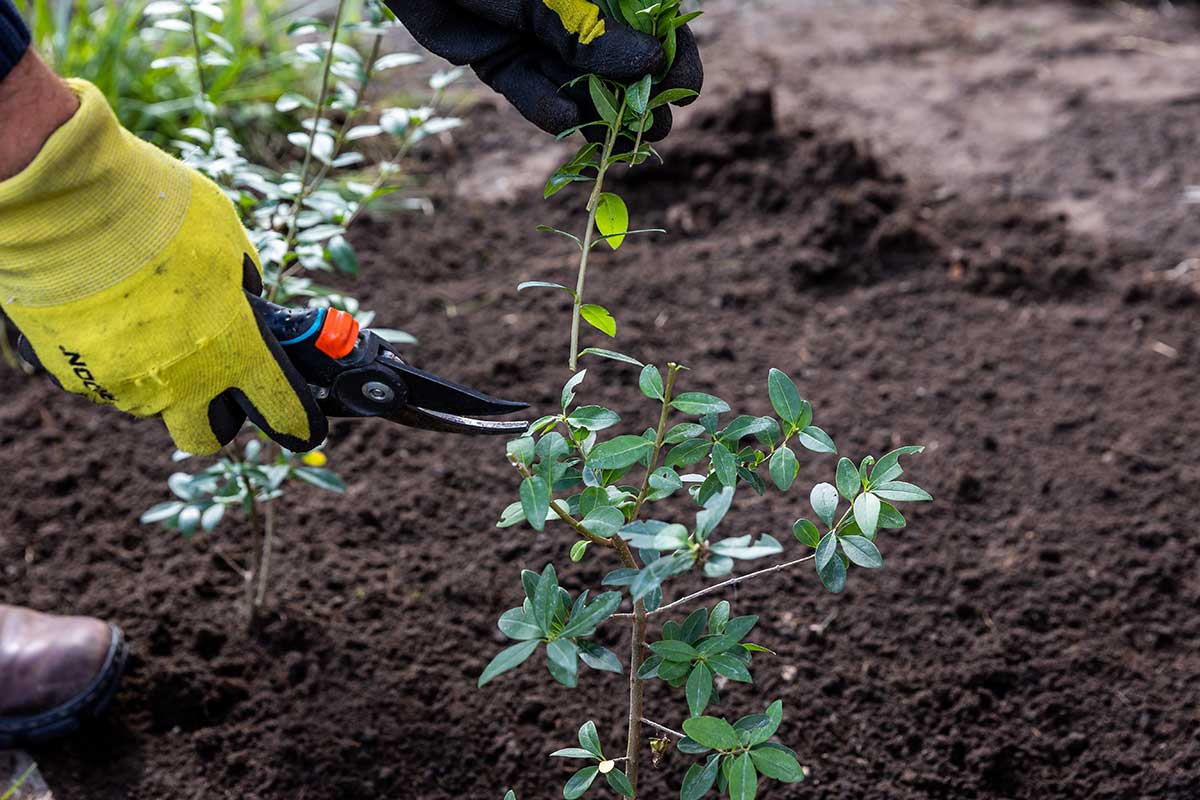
124,269
579,17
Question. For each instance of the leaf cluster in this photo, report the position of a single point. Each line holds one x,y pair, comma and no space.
549,616
261,475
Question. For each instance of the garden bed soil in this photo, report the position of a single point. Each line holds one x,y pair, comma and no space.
1034,633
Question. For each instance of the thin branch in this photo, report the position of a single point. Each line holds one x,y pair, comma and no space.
672,371
716,587
305,187
575,524
662,728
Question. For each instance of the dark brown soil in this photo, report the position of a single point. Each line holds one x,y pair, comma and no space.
1034,634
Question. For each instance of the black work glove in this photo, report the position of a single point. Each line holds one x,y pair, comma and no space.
529,49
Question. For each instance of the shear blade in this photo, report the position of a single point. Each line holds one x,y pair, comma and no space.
427,392
425,419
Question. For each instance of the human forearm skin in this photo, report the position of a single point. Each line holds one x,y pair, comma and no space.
34,101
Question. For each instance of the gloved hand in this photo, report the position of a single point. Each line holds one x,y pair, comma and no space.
125,270
528,49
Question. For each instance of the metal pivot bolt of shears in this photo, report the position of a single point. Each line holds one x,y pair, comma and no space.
355,373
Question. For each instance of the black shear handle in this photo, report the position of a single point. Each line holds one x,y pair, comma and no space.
315,339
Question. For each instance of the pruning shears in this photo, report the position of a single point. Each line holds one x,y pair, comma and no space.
356,373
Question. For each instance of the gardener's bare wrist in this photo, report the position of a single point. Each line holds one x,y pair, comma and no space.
34,103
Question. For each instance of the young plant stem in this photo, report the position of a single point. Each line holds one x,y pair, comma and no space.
662,728
256,538
305,187
716,587
573,523
264,565
668,394
199,56
637,646
593,206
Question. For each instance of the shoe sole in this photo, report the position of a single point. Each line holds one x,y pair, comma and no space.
66,719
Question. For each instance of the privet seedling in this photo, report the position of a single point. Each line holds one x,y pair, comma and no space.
601,489
299,222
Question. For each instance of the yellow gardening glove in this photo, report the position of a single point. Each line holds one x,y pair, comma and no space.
125,270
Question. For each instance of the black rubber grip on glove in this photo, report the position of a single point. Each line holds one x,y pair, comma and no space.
14,37
521,49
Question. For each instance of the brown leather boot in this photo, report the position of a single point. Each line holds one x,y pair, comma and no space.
55,672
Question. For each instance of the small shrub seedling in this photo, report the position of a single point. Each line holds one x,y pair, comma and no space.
299,222
601,488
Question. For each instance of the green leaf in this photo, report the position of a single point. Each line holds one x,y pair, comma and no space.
543,285
743,778
521,450
682,432
824,501
833,571
573,752
699,780
568,392
848,481
580,782
651,382
535,501
744,547
589,739
619,782
599,318
817,440
516,625
688,453
775,715
690,746
510,658
618,453
664,482
671,96
724,465
693,626
674,650
890,518
510,795
699,404
546,598
777,764
562,659
900,492
784,468
638,96
806,533
862,551
731,667
162,512
612,218
714,511
561,180
785,398
593,418
611,354
603,99
343,256
712,732
325,479
888,468
866,513
604,521
745,426
599,658
826,550
719,617
585,622
699,689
